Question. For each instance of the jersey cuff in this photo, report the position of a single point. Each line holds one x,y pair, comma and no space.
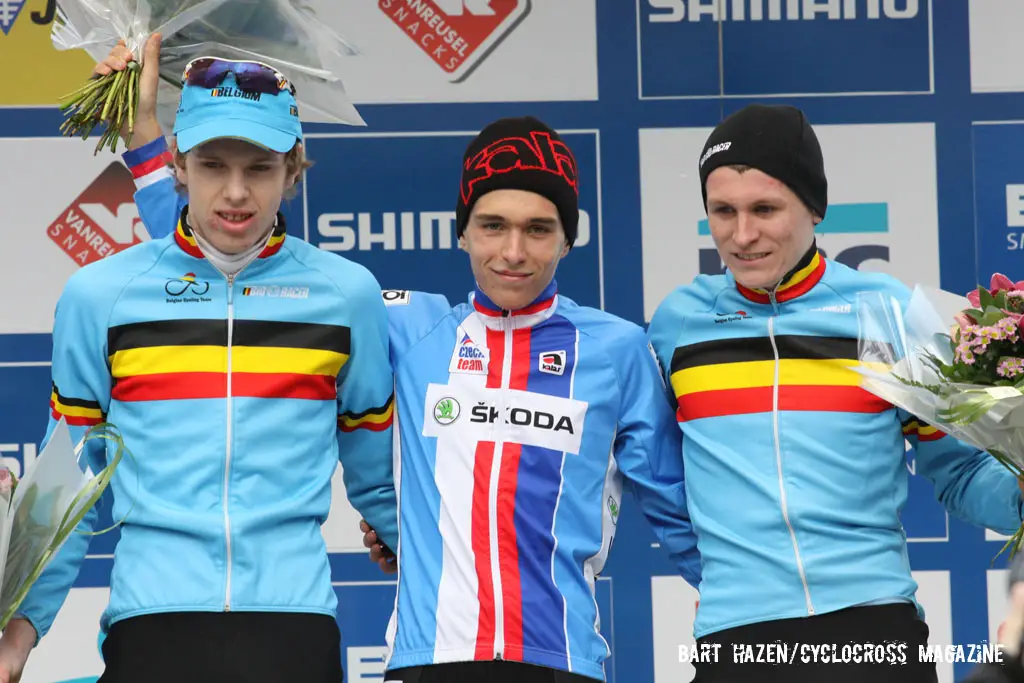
149,163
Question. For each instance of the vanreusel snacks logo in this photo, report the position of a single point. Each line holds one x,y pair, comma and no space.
101,221
456,34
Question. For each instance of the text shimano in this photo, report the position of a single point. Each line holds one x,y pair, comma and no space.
780,10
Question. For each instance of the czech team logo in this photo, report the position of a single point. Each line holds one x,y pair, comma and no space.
457,34
102,220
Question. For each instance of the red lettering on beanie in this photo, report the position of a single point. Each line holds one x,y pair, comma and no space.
538,153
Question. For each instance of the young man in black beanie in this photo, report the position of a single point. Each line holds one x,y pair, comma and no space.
796,474
521,417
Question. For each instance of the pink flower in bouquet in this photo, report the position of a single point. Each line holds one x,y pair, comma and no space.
964,321
1010,367
999,283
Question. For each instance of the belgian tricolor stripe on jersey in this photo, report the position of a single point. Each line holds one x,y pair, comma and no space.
800,282
737,376
374,419
923,432
75,411
187,241
188,359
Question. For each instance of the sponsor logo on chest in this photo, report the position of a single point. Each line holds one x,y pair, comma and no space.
468,358
476,413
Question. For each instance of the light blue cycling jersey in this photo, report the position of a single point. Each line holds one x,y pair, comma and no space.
237,397
796,475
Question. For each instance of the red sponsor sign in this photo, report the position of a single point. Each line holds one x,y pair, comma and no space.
456,34
101,221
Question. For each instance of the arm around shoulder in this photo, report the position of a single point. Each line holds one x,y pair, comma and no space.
156,197
366,409
648,450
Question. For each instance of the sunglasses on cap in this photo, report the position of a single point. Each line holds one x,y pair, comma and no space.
209,72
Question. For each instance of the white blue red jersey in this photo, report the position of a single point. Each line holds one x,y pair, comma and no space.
518,432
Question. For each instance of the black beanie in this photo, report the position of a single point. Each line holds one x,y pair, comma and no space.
520,154
775,139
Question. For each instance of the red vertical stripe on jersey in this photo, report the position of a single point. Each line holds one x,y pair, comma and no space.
481,533
508,482
508,553
520,359
482,549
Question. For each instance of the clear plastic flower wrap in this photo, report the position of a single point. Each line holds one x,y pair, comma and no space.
284,34
40,511
954,362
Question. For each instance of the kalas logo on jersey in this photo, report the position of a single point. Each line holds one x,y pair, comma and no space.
552,362
456,34
102,220
842,222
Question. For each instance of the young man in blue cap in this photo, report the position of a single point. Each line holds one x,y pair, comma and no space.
239,364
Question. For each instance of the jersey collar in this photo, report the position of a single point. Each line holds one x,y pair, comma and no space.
797,282
187,241
499,318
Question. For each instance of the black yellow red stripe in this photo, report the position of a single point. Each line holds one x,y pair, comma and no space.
373,419
798,284
738,376
187,241
75,411
921,430
190,359
183,236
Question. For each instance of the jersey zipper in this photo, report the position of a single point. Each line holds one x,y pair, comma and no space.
227,456
499,606
778,456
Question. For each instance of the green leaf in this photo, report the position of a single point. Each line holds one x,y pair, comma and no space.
984,297
999,301
991,316
974,313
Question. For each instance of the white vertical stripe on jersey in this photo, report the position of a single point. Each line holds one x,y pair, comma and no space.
594,564
458,606
396,461
554,517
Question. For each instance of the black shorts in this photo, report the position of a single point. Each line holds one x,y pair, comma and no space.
872,644
213,647
483,672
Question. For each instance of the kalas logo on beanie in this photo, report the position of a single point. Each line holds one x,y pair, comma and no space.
520,154
775,139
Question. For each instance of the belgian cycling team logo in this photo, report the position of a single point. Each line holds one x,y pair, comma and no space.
187,289
102,220
457,34
446,411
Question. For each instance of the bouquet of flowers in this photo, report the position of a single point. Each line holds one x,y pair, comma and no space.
954,362
41,510
284,34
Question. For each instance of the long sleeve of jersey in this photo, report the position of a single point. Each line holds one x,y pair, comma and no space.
366,411
158,202
80,395
971,484
648,452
